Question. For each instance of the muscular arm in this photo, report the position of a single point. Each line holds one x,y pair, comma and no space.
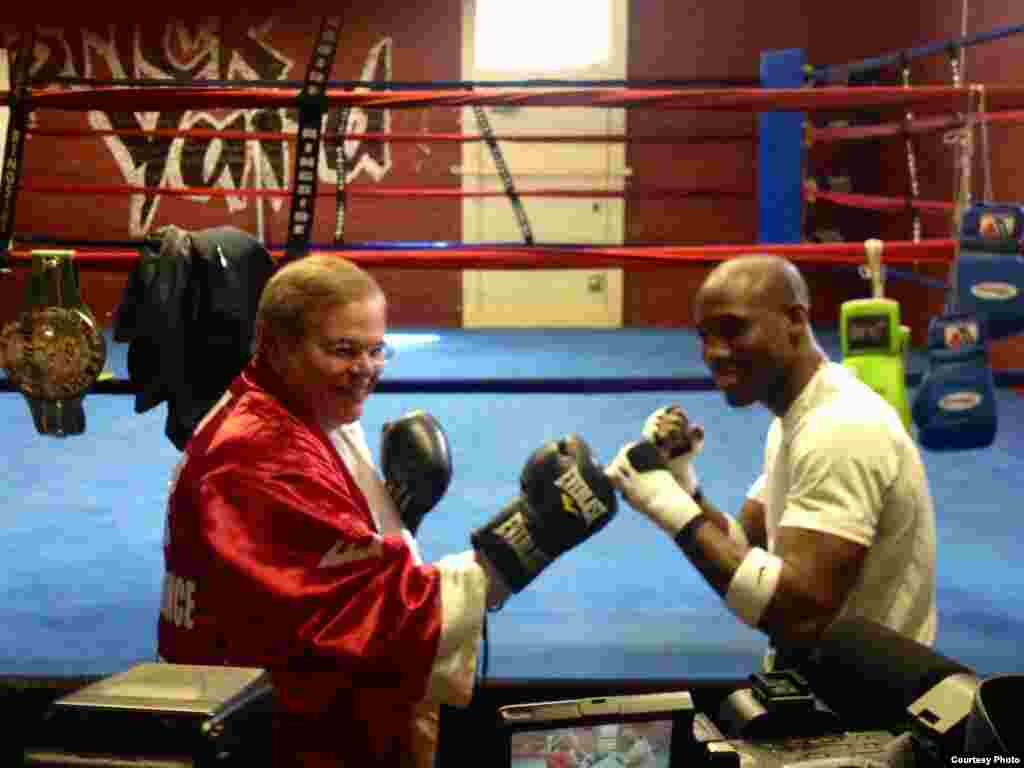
834,483
817,574
819,567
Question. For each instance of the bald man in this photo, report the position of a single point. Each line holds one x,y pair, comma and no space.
840,524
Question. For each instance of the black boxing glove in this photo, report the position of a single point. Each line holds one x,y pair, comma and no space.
416,464
565,498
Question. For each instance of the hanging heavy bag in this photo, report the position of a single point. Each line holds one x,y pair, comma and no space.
955,407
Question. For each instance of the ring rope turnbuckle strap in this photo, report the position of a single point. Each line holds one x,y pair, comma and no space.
14,144
312,105
909,144
506,177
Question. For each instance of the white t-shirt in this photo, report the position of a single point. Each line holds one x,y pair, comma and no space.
841,462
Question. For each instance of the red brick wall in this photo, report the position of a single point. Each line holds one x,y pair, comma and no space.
403,41
392,40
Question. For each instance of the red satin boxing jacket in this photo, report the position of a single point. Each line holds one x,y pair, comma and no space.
272,560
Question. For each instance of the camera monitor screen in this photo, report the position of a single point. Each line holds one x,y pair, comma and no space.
604,745
636,730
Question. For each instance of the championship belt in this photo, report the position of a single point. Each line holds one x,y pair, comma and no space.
54,351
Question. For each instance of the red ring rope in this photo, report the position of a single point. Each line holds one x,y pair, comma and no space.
207,133
648,193
927,252
940,98
878,203
934,98
917,125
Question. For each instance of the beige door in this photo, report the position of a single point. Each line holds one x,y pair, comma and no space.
540,298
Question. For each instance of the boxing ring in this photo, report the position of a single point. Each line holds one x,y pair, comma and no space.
82,533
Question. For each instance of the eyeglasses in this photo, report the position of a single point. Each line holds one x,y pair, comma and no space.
350,351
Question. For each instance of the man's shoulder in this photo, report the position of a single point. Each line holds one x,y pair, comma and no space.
862,423
846,402
258,431
853,417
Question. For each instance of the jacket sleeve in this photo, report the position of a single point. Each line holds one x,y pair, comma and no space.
463,582
463,603
331,597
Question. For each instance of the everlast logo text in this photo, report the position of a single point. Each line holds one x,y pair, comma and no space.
515,532
587,505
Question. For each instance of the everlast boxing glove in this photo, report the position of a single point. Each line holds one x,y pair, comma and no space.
565,499
416,465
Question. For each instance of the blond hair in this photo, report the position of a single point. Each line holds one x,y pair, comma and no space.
304,287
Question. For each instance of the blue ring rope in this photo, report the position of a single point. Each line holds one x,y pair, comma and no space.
898,274
537,386
827,73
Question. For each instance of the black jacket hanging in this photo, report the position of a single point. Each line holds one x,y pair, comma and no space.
188,314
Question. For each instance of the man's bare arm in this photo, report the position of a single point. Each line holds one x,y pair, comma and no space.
818,572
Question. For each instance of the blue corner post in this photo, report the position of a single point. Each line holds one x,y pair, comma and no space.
781,153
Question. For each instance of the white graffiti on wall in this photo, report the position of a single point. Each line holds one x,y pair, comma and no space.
183,52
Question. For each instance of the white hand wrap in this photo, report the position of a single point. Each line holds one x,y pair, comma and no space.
650,488
753,585
680,466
